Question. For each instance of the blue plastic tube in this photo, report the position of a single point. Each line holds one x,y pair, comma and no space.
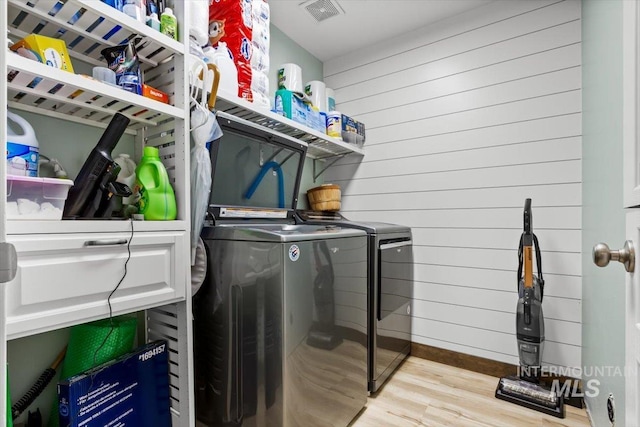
256,182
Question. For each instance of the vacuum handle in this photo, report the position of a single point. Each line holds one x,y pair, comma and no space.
115,129
527,216
528,266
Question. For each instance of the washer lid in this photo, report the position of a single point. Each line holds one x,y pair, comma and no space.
256,171
278,232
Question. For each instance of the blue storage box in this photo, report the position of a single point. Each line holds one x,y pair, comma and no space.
295,107
132,390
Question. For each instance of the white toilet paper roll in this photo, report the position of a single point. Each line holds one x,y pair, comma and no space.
259,61
290,77
259,82
331,99
317,93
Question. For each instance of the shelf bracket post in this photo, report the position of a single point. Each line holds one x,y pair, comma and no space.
317,173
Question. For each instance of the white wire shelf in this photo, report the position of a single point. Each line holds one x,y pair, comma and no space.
37,88
87,27
321,146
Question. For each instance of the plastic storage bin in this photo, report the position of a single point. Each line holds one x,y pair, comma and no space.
36,198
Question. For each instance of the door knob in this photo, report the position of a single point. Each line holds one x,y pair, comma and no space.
627,255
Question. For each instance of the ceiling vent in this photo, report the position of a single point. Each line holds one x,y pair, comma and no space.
322,10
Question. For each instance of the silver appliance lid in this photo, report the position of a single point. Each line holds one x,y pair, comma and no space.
315,217
256,171
278,232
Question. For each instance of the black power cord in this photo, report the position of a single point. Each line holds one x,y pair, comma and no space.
106,338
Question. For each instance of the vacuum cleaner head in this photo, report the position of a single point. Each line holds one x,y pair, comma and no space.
530,395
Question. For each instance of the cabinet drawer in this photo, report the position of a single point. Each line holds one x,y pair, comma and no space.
64,279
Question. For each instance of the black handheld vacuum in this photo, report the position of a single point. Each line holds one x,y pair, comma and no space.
92,194
525,389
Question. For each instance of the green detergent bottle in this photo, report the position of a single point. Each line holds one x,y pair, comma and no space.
157,200
9,415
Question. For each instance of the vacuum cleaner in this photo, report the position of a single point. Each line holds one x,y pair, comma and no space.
92,195
526,389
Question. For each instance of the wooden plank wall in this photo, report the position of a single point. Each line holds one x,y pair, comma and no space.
465,119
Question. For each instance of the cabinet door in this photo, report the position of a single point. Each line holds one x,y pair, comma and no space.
66,279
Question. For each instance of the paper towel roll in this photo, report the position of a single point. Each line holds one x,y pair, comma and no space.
331,99
317,93
199,21
290,77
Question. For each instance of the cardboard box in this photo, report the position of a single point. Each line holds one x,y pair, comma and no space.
353,131
130,391
155,94
295,107
47,50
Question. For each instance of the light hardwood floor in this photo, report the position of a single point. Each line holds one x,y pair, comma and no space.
425,393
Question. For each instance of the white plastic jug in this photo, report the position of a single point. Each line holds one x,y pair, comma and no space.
22,148
127,175
221,57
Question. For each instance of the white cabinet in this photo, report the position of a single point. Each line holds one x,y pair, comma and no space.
68,269
65,277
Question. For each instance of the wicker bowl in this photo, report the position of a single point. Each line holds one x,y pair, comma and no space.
325,198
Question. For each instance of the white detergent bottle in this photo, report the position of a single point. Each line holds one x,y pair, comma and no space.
221,57
22,147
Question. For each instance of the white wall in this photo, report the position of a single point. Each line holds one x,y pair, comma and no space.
465,119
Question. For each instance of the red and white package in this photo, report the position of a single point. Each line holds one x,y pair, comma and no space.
231,21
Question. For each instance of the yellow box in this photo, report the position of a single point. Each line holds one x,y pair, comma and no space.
47,50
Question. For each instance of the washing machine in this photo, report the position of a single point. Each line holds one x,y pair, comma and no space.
280,320
389,290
